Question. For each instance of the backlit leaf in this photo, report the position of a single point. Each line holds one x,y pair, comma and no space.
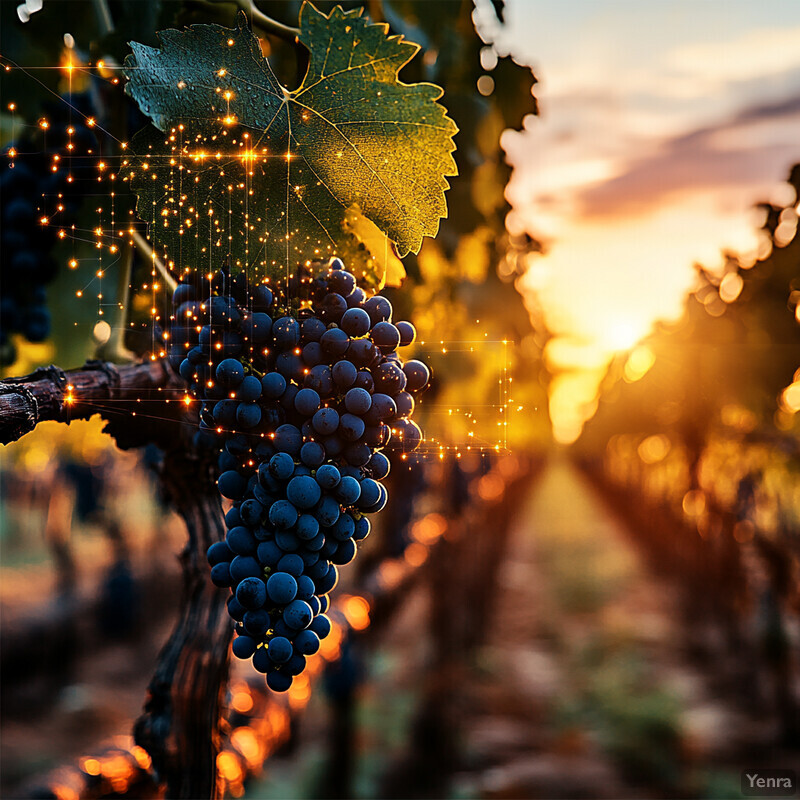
243,167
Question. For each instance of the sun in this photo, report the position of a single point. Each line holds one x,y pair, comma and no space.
622,335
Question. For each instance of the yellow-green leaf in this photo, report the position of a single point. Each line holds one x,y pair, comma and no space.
245,168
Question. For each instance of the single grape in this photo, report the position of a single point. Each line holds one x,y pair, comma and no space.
305,586
344,374
379,465
325,421
280,649
348,491
306,402
327,511
306,642
278,681
261,660
257,328
283,514
244,646
235,608
231,485
307,527
251,512
389,378
256,622
386,337
281,588
355,322
417,374
342,282
244,567
344,528
291,564
335,342
312,454
288,439
303,492
248,415
312,354
297,614
221,574
358,401
379,309
218,553
269,554
328,476
240,540
286,332
273,385
345,553
321,625
230,372
407,333
249,389
362,529
351,427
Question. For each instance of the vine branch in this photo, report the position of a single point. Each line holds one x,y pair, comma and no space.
141,402
266,23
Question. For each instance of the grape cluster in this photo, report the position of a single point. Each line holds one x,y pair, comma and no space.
301,405
26,262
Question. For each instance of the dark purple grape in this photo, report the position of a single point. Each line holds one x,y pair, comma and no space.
320,379
286,332
334,342
333,307
261,298
351,427
358,401
312,354
312,329
257,327
355,322
386,337
405,404
389,378
417,374
306,402
341,282
361,352
364,380
326,421
379,309
357,298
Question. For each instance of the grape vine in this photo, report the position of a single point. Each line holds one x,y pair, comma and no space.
27,265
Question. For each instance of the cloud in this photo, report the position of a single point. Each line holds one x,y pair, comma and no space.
752,54
754,150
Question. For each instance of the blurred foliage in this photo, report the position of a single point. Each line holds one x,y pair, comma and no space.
727,362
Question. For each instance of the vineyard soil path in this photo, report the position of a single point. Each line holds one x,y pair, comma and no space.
583,635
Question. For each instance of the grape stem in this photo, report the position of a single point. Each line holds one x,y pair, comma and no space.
104,18
114,349
144,247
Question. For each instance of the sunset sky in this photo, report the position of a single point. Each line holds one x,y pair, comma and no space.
661,124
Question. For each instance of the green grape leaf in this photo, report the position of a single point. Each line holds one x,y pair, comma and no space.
241,167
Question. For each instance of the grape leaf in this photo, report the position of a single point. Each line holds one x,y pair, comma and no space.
246,168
